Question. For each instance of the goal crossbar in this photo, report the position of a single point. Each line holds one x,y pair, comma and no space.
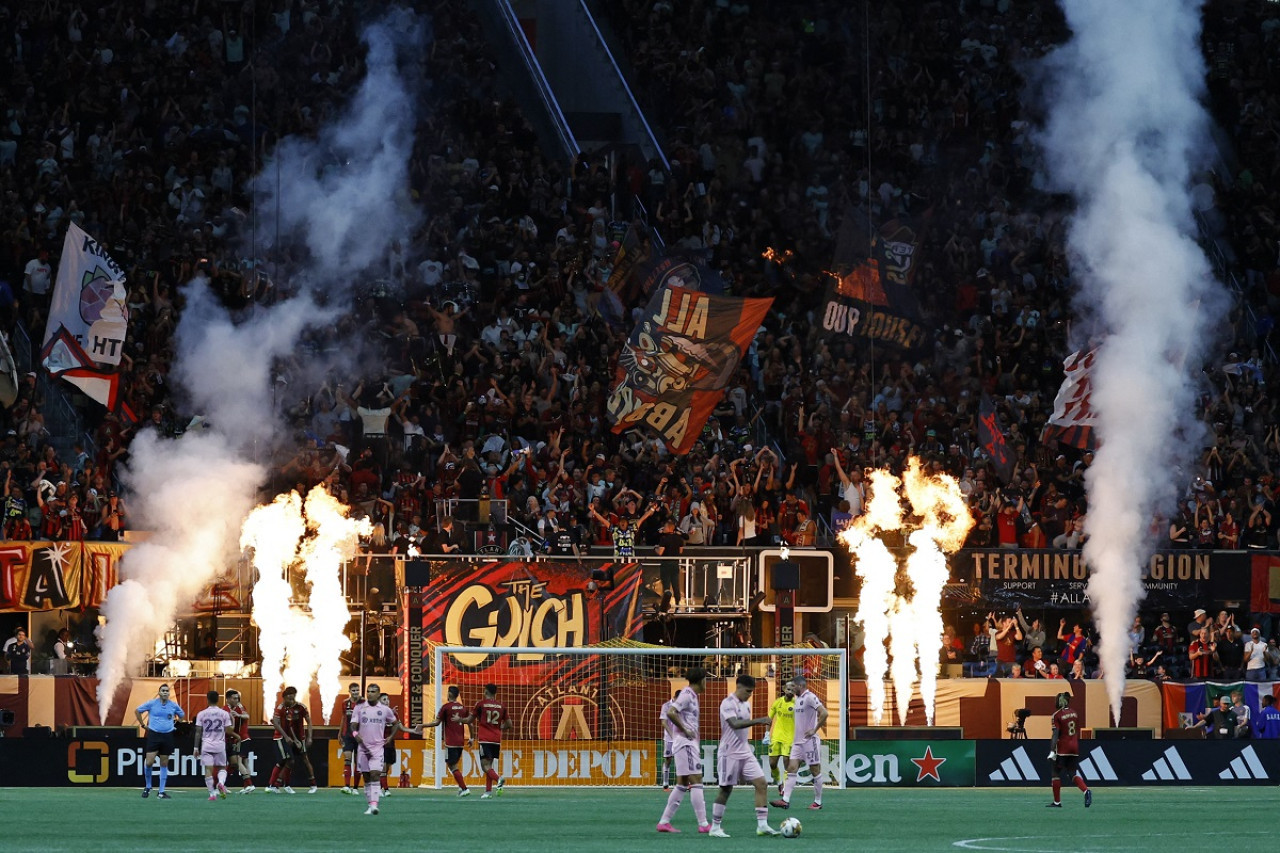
835,678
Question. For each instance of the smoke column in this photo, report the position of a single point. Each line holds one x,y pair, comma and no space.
1124,131
344,196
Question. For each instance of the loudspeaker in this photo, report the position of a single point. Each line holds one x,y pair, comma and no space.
786,575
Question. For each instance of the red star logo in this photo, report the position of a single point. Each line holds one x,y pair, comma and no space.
928,765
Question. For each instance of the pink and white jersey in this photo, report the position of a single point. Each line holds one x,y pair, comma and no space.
668,727
807,707
373,722
687,709
734,742
213,723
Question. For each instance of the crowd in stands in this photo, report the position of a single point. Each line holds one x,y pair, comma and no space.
782,125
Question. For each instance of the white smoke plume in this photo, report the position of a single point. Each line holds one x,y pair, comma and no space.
344,195
1125,131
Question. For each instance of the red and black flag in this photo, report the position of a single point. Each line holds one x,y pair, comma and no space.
679,359
992,438
1073,415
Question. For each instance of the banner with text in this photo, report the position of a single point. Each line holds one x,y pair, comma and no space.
1057,579
679,359
89,299
57,575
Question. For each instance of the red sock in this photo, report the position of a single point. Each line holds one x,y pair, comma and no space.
1081,784
492,774
383,782
1057,790
457,777
346,775
275,776
488,783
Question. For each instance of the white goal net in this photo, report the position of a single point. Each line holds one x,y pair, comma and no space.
591,716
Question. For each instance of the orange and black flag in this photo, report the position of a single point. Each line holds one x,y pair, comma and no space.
679,359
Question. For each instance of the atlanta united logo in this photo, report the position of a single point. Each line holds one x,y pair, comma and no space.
573,712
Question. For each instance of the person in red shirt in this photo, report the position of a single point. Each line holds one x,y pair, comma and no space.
454,717
490,719
347,738
240,727
292,739
1064,751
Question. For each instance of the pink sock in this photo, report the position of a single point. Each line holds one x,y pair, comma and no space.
673,803
817,787
699,804
717,813
789,786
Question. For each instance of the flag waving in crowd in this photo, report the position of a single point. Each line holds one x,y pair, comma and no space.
678,361
88,318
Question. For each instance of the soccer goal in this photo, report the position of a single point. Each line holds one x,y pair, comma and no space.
591,716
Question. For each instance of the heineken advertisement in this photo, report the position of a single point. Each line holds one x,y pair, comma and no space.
909,763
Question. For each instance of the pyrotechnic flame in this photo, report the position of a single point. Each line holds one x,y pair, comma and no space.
299,644
911,624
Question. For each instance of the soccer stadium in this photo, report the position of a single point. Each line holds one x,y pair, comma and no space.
584,425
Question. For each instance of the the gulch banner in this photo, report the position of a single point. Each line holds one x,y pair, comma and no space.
57,575
678,361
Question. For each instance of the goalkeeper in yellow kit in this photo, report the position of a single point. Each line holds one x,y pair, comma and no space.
783,731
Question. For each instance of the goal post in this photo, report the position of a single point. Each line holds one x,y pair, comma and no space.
590,716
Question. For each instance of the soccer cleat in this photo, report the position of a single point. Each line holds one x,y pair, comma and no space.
313,789
717,832
815,807
704,828
146,792
272,789
666,787
780,804
222,792
1053,805
371,810
248,789
346,789
765,829
465,792
486,795
666,827
213,798
1088,798
289,790
386,793
163,796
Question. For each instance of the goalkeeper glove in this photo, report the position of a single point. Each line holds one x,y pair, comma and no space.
765,739
1052,755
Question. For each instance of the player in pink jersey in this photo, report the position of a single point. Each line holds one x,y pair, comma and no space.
736,761
668,730
685,748
811,717
373,725
214,727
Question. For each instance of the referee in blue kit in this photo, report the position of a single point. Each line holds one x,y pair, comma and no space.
161,716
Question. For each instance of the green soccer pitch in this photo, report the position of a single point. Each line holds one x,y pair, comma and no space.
616,820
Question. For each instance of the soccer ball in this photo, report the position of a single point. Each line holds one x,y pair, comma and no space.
791,828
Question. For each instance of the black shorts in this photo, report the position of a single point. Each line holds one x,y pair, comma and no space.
1066,766
388,757
160,742
490,751
452,755
284,750
235,748
349,743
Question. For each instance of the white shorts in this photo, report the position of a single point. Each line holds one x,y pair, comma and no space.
369,760
213,758
737,770
688,762
807,750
